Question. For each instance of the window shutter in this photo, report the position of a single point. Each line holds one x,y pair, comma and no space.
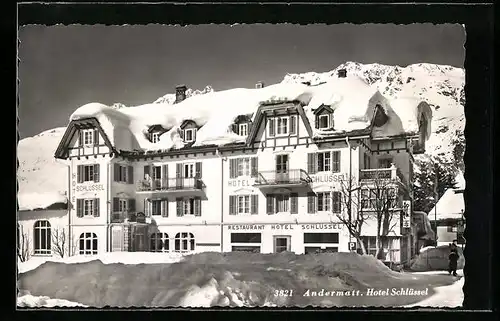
294,206
270,204
116,172
254,166
116,204
96,207
271,127
198,170
234,128
232,204
79,207
147,171
312,163
194,134
179,207
96,173
316,121
255,204
178,170
96,137
130,175
311,203
165,175
336,161
197,206
293,123
131,205
232,167
80,138
336,204
164,208
79,174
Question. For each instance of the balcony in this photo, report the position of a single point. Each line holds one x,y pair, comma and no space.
169,185
383,174
291,178
121,217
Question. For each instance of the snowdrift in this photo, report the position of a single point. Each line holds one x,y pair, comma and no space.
229,279
435,258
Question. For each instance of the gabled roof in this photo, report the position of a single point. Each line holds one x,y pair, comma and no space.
243,118
321,108
156,128
73,128
187,122
272,108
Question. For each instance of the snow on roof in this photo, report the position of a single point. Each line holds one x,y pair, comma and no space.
351,98
450,206
41,200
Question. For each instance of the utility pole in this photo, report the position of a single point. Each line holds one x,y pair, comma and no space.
436,197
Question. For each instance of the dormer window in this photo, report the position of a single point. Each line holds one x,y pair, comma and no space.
324,121
282,125
243,129
155,137
189,135
324,117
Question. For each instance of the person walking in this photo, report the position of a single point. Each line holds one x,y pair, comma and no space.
453,261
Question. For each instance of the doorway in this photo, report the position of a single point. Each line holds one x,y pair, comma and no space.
282,243
282,174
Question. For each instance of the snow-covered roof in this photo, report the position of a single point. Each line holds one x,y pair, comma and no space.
352,99
450,206
39,200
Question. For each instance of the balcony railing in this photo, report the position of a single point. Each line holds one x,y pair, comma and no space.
276,178
171,184
391,173
120,217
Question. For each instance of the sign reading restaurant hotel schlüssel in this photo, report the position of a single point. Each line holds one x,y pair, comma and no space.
286,226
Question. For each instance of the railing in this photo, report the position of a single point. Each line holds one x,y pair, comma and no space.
391,173
294,176
171,184
120,217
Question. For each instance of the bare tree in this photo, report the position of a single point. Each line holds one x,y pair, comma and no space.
61,244
351,218
379,197
23,246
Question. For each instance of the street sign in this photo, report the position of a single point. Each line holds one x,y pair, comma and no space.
352,246
406,214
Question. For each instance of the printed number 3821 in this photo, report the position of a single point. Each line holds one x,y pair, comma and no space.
283,292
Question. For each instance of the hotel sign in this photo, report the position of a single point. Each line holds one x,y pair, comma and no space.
329,178
406,214
286,226
239,183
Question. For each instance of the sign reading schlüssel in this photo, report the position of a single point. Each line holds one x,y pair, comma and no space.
406,214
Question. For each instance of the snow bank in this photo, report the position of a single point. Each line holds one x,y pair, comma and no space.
448,296
351,98
435,258
450,206
107,258
227,279
30,301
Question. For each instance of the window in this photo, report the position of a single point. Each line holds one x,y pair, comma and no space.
123,173
324,162
155,137
156,207
243,129
320,249
42,238
321,237
245,166
391,249
282,126
87,207
282,163
246,242
323,202
324,121
189,206
88,137
88,244
282,203
367,161
184,242
189,135
88,173
379,198
189,170
281,244
244,204
246,248
159,242
451,229
385,163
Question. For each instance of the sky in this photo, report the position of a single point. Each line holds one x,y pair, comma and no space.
64,67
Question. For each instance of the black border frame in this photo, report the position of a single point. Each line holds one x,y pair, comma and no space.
479,111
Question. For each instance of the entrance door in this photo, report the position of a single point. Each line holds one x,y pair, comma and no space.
282,243
157,177
282,169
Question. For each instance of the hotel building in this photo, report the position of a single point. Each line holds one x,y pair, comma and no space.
281,188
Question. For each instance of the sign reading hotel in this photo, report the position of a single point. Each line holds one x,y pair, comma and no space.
239,183
287,226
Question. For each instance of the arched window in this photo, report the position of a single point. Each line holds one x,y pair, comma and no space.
184,242
88,243
42,237
159,242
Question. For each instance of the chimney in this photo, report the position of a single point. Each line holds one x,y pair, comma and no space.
342,73
180,93
259,85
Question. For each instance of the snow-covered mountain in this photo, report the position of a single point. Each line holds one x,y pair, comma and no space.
441,86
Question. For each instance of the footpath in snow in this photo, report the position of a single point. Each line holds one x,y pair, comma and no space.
450,296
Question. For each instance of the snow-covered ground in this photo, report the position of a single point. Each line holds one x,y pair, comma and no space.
106,258
446,296
30,301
